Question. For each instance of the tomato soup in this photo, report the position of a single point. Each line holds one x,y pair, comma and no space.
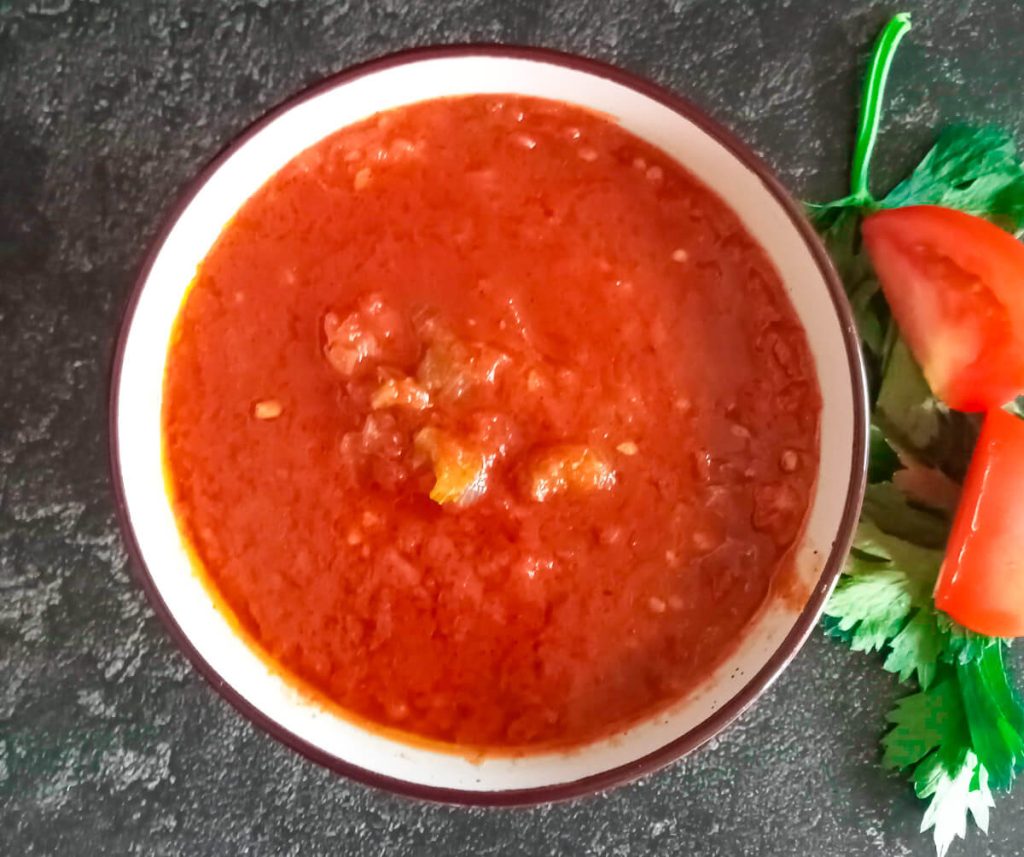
490,423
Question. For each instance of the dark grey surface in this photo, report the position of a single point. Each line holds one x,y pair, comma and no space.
109,742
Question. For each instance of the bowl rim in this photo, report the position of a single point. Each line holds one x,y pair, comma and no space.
809,615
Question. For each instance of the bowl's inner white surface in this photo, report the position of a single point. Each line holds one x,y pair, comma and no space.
248,167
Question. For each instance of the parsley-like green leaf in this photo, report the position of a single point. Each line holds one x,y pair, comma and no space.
872,607
977,170
957,786
883,461
916,649
918,564
884,598
897,516
999,687
918,423
994,716
962,645
840,230
930,730
923,722
885,580
906,409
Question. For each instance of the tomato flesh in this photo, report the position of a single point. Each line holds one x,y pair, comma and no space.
955,284
981,584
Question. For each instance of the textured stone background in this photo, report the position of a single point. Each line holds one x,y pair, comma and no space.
109,743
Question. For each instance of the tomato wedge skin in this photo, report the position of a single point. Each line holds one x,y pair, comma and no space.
981,583
955,283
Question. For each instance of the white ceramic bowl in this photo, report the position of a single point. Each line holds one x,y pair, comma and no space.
177,594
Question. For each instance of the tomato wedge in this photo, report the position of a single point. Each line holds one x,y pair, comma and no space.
955,284
981,583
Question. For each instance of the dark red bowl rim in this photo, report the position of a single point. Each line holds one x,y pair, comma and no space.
718,719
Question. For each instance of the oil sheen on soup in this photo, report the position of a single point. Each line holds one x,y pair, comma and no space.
490,423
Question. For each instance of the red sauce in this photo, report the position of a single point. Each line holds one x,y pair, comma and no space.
490,423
